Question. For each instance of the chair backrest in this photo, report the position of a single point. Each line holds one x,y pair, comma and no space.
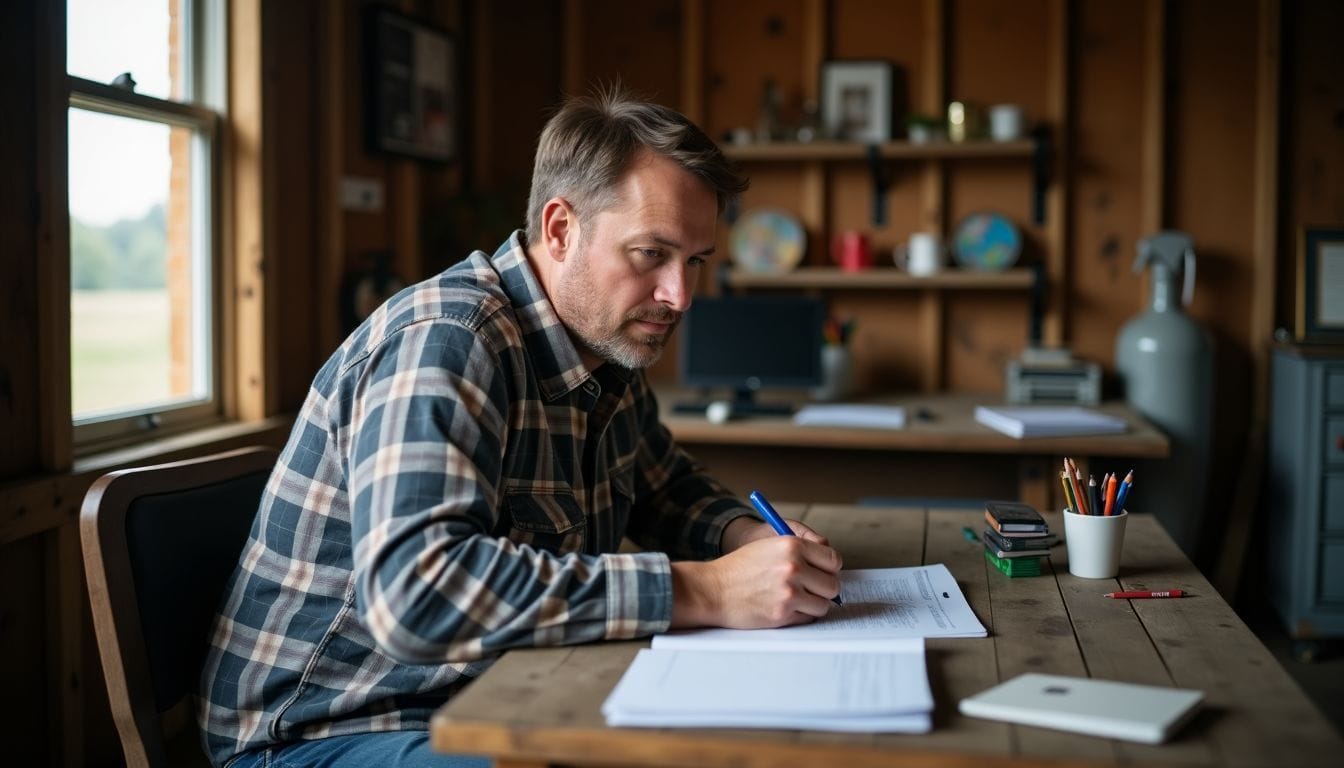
160,544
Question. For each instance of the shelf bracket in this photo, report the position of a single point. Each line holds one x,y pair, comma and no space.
880,185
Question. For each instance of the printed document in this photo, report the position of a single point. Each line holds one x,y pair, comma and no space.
772,688
881,604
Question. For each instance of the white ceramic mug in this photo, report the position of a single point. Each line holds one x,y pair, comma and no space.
1005,122
923,256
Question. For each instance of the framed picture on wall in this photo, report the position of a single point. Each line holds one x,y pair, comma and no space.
857,99
412,91
1320,285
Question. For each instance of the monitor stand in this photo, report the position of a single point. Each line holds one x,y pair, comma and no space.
744,404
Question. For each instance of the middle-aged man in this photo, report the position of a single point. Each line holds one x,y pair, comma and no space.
466,465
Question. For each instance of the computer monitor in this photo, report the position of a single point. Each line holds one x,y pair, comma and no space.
748,343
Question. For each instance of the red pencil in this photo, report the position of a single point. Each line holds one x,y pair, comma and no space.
1144,594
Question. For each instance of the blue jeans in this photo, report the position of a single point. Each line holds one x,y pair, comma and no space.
396,749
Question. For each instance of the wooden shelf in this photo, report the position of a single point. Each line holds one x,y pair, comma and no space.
884,278
852,150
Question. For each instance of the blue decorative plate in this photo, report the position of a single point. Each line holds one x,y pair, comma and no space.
987,241
768,240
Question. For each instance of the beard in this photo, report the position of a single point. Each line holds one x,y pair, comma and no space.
585,312
628,347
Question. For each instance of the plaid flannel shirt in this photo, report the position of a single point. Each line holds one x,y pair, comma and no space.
456,484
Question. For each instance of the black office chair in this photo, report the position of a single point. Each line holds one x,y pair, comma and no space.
159,543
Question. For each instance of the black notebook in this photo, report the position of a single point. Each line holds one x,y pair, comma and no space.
1014,517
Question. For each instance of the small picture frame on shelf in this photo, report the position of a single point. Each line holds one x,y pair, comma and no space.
411,106
858,99
1320,285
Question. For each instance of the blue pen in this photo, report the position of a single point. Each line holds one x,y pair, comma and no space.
782,528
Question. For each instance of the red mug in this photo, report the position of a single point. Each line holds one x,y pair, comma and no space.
851,251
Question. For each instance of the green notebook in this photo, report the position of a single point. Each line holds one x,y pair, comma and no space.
1015,566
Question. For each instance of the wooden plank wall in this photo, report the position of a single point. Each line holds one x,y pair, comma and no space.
1160,118
1157,102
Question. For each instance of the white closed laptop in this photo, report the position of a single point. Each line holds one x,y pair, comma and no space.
1128,711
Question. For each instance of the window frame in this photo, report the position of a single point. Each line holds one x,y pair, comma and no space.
203,25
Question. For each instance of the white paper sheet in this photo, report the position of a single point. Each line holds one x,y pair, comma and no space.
853,692
1048,420
881,604
864,416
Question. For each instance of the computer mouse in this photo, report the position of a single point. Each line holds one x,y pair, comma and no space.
719,411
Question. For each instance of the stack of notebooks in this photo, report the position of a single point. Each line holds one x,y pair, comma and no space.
1016,538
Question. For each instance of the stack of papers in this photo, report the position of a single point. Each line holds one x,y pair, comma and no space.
1048,420
840,415
821,689
859,669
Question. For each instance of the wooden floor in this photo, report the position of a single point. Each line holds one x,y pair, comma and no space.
1322,679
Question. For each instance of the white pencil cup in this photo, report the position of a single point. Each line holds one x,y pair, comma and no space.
837,374
1094,543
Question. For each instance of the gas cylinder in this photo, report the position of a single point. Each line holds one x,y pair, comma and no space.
1165,361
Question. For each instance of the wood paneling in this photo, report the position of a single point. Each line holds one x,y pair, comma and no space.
1211,178
747,43
21,44
292,70
1313,160
638,44
1108,187
1160,105
24,643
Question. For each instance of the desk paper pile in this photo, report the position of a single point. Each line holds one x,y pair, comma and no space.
859,669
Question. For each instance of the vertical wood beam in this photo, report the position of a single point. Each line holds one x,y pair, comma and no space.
65,629
573,73
482,155
816,37
934,197
814,191
693,61
932,319
1057,213
1264,247
52,180
934,192
250,267
331,173
405,220
1152,212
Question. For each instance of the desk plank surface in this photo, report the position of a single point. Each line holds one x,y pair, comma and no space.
542,706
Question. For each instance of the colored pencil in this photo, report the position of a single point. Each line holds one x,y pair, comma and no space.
1068,492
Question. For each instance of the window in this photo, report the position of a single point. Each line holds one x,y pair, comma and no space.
146,89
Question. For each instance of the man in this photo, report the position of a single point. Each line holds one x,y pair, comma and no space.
466,464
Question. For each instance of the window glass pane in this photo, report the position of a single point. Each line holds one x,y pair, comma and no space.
105,38
139,336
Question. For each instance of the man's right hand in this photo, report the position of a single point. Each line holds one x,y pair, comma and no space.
771,582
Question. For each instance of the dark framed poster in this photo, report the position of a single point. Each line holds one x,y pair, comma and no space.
1320,284
412,88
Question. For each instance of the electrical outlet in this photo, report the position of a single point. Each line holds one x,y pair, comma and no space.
361,194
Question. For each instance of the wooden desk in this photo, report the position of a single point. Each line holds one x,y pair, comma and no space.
537,707
947,454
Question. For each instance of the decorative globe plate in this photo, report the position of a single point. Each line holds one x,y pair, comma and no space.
987,241
768,241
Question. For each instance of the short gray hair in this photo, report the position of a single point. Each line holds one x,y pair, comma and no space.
588,144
